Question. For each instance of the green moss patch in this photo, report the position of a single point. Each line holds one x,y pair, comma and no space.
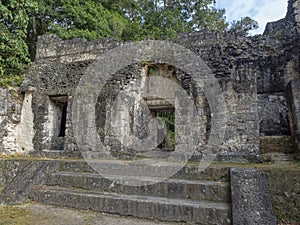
15,215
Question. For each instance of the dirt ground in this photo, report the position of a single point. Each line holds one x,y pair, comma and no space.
38,214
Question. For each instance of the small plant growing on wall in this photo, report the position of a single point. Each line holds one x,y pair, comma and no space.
169,119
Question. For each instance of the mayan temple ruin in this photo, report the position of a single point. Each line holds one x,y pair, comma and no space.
84,121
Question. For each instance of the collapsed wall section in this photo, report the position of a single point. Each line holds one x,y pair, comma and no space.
253,73
16,121
279,69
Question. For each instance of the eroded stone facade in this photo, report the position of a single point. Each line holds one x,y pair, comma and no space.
253,74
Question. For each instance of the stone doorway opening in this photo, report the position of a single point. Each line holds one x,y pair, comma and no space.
167,115
169,118
58,106
122,130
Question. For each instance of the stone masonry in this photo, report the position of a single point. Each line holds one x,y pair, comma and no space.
294,103
254,74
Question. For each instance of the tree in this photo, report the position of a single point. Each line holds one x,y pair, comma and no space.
93,19
243,26
75,18
123,19
14,18
84,18
163,19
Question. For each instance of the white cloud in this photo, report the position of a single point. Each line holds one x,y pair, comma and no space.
262,11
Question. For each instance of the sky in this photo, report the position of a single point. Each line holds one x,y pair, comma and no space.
262,11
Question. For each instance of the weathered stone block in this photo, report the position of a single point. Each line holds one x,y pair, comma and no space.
293,97
3,101
251,203
273,115
269,144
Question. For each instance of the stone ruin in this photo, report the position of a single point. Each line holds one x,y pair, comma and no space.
259,77
259,82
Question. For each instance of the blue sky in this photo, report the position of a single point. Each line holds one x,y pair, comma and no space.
262,11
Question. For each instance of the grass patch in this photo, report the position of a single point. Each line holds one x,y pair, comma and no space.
265,165
16,215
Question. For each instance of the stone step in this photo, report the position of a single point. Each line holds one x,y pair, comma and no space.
115,168
191,211
278,158
171,188
52,154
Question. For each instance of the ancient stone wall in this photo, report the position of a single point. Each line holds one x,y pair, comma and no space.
279,71
229,57
16,119
293,97
288,27
60,64
58,68
253,73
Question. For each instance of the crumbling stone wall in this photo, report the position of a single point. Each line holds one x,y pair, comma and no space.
16,121
229,57
56,72
58,68
293,97
253,73
281,68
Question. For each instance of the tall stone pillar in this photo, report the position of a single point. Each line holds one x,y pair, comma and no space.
293,99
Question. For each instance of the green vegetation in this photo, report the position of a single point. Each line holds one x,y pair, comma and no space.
15,215
124,19
244,25
169,119
14,19
34,214
166,19
11,80
77,18
22,21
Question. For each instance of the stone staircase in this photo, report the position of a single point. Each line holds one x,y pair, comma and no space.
189,196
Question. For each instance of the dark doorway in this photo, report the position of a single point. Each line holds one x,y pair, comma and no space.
63,121
58,105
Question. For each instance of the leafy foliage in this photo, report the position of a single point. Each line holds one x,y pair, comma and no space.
125,19
14,18
244,25
75,18
169,119
22,21
78,18
163,19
